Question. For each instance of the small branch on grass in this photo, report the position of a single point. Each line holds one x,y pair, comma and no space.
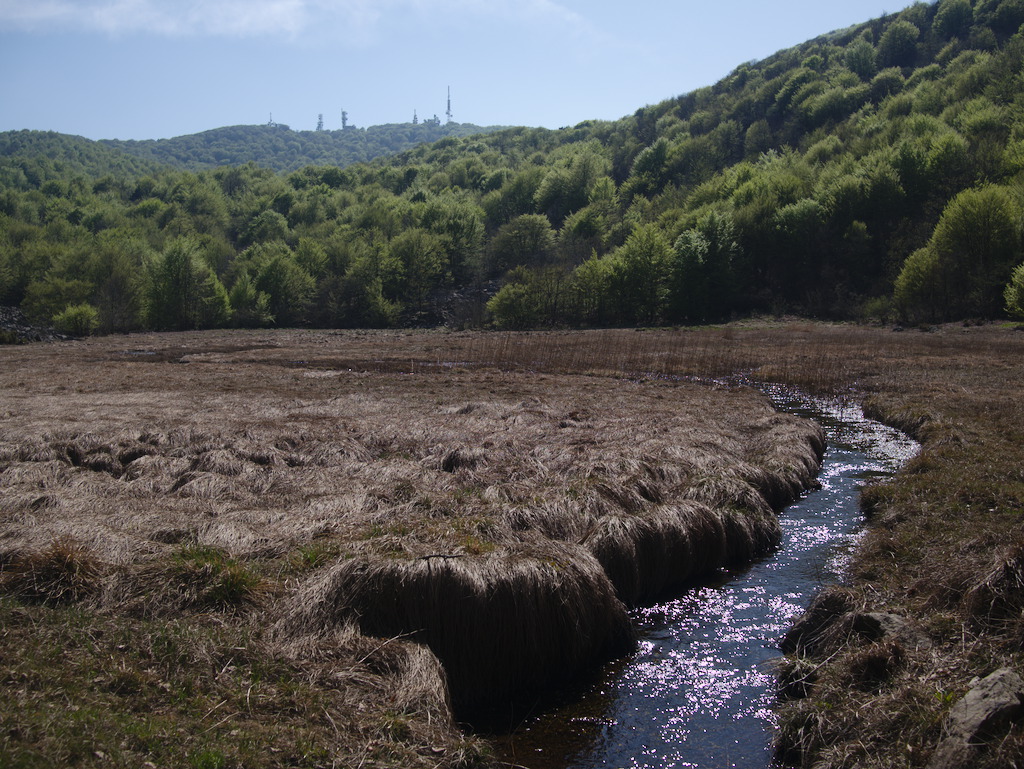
380,646
337,733
226,718
215,707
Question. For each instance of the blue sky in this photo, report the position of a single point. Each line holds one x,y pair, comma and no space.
150,69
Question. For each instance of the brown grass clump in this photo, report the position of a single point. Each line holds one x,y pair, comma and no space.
645,556
65,572
505,624
996,600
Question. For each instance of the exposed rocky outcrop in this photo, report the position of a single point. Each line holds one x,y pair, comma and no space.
16,329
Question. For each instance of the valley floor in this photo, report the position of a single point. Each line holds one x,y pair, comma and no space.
217,549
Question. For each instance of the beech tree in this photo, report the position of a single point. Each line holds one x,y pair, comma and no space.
963,270
184,292
525,241
702,283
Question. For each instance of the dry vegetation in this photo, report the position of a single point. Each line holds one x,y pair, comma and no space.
306,549
215,547
945,548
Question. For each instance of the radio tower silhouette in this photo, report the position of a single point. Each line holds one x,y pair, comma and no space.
448,112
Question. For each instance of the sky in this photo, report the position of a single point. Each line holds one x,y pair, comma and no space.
152,69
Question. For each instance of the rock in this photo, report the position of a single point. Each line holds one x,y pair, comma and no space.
985,712
879,626
812,631
15,329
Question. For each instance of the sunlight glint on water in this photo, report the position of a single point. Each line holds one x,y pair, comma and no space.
699,690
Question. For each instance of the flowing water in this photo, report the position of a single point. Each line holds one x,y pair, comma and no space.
700,688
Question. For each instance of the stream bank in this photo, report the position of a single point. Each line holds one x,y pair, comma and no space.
700,690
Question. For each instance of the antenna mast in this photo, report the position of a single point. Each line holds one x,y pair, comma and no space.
448,112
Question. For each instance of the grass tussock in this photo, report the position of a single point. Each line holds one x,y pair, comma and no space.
506,624
996,599
645,556
63,573
107,689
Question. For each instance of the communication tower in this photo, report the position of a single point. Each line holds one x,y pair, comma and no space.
448,112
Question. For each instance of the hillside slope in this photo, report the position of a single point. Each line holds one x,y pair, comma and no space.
847,177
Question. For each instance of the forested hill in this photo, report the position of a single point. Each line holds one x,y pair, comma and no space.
276,146
873,172
49,154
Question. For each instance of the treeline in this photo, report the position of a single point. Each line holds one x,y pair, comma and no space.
873,172
277,147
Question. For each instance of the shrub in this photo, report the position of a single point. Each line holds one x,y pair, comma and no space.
77,320
1014,294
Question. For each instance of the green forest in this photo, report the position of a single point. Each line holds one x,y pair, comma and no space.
873,173
277,147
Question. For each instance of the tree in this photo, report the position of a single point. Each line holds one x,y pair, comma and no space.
119,267
923,288
184,292
898,45
583,233
638,276
953,19
514,198
460,226
51,294
357,300
859,58
702,283
799,233
77,320
266,227
566,186
589,292
423,264
963,270
515,306
978,236
527,240
289,287
250,308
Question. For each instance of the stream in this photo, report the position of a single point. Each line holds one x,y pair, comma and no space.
699,691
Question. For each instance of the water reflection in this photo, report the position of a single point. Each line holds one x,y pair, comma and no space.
699,690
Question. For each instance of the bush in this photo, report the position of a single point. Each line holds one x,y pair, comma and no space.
1014,294
77,320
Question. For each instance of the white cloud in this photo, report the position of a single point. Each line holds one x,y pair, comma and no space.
234,18
248,18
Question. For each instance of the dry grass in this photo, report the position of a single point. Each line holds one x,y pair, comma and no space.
543,610
404,500
213,485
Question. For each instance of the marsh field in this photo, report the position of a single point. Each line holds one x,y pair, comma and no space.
339,548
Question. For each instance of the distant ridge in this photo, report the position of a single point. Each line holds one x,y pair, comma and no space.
277,147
